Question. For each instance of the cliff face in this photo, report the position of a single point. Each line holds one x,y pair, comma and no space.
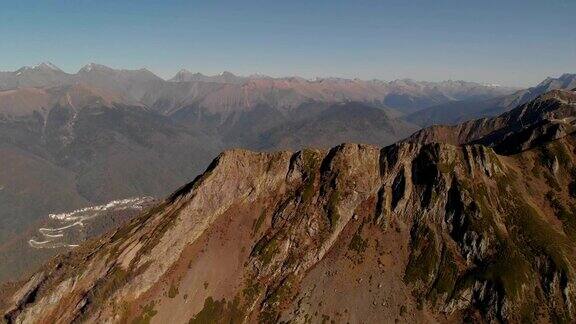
417,232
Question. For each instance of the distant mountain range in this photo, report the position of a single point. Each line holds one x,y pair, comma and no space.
471,223
232,90
458,111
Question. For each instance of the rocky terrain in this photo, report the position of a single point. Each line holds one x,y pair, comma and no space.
75,140
473,223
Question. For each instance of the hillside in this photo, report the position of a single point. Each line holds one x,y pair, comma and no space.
76,147
416,231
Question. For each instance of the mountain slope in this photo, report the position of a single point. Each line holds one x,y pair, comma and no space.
415,232
459,111
43,74
77,147
548,117
330,126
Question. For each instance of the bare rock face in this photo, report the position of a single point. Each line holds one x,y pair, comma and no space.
418,231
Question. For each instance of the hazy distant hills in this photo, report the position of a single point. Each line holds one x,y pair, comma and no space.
225,77
402,95
37,76
459,111
72,147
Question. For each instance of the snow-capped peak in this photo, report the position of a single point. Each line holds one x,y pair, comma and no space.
46,65
88,67
94,67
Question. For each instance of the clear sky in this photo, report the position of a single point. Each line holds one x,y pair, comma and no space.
507,42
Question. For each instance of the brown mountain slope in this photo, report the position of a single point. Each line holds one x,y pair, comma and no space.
413,232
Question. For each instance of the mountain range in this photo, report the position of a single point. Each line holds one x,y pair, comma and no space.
74,141
467,223
228,89
459,111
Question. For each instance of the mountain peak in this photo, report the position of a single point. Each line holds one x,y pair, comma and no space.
47,66
94,67
44,66
568,76
227,74
185,75
184,71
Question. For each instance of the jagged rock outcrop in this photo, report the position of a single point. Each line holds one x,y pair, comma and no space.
445,232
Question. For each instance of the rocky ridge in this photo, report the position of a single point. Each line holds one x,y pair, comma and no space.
417,231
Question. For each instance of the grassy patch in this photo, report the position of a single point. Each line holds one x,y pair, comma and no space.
311,162
511,270
537,237
309,188
446,167
115,280
147,313
258,222
173,290
276,298
568,217
333,214
446,279
357,243
251,291
551,181
424,257
558,150
266,249
219,311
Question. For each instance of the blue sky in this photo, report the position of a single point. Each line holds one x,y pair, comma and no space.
507,42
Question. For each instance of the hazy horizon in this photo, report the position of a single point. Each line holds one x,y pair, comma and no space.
516,43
